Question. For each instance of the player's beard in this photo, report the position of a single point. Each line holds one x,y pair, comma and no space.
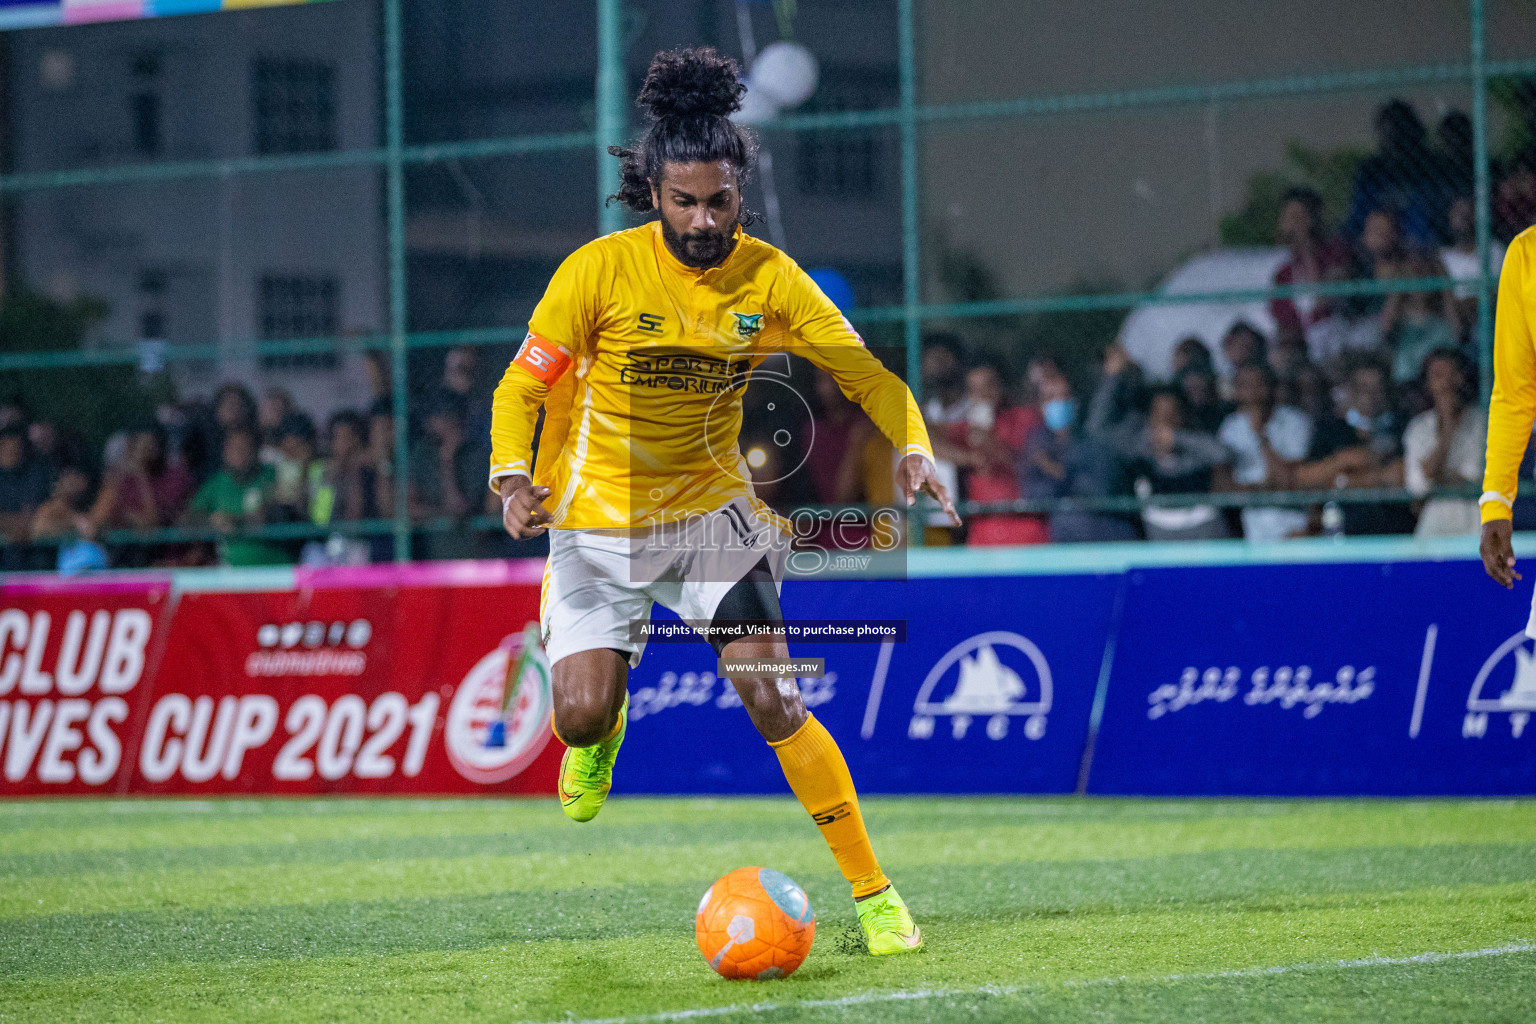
699,248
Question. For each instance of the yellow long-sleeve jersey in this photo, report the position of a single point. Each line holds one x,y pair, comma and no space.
641,362
1513,408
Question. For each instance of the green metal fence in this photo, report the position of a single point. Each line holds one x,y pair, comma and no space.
910,117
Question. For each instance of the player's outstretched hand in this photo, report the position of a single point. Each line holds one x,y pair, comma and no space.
917,473
1498,554
522,507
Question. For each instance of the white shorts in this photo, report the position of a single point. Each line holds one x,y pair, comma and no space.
599,584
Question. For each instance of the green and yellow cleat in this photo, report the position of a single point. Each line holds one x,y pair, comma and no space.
887,923
586,773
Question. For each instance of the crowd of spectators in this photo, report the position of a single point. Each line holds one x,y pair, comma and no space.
1366,388
236,462
1269,424
1373,389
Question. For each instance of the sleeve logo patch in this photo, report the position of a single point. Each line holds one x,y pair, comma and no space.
748,324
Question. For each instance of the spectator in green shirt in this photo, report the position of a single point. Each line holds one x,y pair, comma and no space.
235,498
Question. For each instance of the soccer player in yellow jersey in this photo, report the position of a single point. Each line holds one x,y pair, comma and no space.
639,353
1512,408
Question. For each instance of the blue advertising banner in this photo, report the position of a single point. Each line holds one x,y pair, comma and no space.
990,692
1394,678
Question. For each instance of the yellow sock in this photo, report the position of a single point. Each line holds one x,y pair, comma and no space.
819,777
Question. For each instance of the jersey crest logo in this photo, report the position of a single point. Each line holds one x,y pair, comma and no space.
748,324
651,323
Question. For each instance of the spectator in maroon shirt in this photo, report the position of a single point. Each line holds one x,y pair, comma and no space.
1315,259
149,491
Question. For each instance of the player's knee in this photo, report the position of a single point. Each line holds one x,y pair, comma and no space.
583,719
774,705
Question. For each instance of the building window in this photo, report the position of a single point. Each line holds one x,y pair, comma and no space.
298,306
843,161
144,112
144,108
295,105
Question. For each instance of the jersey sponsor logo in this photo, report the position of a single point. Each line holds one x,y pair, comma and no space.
748,324
683,371
542,358
651,323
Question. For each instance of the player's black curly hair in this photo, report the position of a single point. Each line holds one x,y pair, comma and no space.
688,97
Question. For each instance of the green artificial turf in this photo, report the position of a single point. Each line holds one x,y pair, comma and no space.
1034,909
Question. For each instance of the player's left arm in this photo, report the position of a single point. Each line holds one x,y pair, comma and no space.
820,332
1511,410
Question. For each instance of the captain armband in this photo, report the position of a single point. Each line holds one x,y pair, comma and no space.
543,359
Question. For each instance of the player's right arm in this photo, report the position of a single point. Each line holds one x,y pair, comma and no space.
1512,409
558,331
514,412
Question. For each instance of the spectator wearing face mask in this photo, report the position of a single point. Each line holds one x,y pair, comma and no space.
987,445
1361,448
1061,460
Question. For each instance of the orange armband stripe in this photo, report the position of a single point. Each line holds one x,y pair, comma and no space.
542,358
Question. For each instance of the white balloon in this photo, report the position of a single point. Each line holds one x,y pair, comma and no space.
756,106
787,72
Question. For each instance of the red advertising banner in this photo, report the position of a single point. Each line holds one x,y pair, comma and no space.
347,684
75,663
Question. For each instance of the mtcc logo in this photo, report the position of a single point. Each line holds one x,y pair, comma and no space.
996,676
498,722
1506,684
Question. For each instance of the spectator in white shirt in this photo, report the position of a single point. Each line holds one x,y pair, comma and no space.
1267,441
1460,258
1444,447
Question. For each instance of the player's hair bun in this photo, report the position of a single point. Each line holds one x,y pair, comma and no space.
692,83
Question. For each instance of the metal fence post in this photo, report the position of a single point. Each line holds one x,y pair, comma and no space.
911,269
911,252
610,110
394,143
1481,203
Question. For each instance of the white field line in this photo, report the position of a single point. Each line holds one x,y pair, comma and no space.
867,998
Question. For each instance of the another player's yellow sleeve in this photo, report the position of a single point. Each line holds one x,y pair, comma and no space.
1513,407
558,332
819,332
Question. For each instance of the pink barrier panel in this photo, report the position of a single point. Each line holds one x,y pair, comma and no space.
394,682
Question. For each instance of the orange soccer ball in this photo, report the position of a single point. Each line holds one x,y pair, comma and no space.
755,923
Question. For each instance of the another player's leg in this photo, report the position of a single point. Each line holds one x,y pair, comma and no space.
814,766
590,705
